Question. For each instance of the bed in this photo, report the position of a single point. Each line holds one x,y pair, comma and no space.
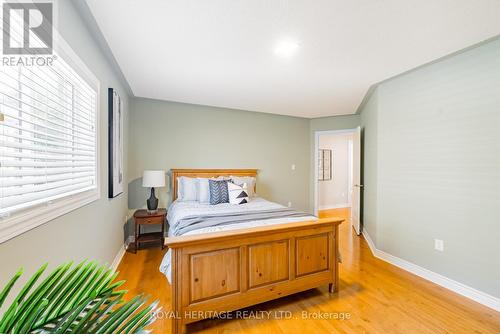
225,257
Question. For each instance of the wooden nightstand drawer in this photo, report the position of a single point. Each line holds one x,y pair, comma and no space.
143,217
150,220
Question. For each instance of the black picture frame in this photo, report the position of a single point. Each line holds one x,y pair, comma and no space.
115,144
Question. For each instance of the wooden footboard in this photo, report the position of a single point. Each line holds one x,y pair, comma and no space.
226,271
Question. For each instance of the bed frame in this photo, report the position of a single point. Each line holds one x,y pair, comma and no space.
220,272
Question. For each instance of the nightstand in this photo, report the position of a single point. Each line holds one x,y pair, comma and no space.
143,217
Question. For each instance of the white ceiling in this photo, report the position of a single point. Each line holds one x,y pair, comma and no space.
221,52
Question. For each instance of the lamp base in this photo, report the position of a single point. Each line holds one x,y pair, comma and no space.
152,202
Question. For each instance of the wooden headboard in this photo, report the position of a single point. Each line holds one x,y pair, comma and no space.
207,173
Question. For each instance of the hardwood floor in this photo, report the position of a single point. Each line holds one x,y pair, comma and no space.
374,297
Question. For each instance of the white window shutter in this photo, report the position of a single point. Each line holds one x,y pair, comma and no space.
48,137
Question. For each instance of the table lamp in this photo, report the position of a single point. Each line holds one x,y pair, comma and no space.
152,179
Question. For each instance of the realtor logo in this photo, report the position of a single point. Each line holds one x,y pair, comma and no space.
37,26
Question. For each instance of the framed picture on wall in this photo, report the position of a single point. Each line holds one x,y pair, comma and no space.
115,142
325,158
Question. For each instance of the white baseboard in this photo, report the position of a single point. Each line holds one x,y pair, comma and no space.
369,241
462,289
119,256
334,206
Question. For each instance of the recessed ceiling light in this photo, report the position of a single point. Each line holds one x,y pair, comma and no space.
286,48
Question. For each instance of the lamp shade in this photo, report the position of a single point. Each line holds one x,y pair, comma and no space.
153,178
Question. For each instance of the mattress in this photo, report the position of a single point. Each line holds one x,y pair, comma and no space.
180,210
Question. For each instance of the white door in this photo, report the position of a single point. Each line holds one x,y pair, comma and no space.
356,181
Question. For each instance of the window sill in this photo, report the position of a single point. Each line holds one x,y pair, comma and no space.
21,222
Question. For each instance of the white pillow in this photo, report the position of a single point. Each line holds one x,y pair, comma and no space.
249,180
187,189
203,190
237,194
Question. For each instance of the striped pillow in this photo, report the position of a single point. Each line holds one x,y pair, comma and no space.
218,192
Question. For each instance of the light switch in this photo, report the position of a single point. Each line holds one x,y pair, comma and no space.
293,166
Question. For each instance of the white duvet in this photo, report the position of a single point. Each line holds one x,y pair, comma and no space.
179,210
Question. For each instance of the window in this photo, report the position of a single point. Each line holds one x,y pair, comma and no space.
48,141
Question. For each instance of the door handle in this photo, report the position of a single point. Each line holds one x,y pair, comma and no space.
359,185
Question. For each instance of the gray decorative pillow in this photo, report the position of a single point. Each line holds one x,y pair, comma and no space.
218,191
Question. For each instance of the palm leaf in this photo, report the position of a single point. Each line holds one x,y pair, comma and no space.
28,325
61,290
85,321
72,285
80,298
139,320
112,320
65,323
9,314
9,286
38,294
12,310
101,315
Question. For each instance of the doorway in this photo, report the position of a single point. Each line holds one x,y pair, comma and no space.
337,173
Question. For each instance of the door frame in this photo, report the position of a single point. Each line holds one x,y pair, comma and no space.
317,134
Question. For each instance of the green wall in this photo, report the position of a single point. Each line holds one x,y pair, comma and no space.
434,153
166,135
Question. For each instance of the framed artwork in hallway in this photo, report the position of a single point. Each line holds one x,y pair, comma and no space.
325,165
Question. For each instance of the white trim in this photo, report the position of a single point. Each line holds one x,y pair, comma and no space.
317,134
33,217
118,258
457,287
334,206
370,242
121,252
350,160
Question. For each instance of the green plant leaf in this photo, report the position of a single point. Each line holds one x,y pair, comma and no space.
102,314
110,277
63,288
84,321
144,321
81,299
18,300
30,321
66,322
41,292
113,286
85,290
137,319
76,288
9,314
9,286
120,314
46,289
